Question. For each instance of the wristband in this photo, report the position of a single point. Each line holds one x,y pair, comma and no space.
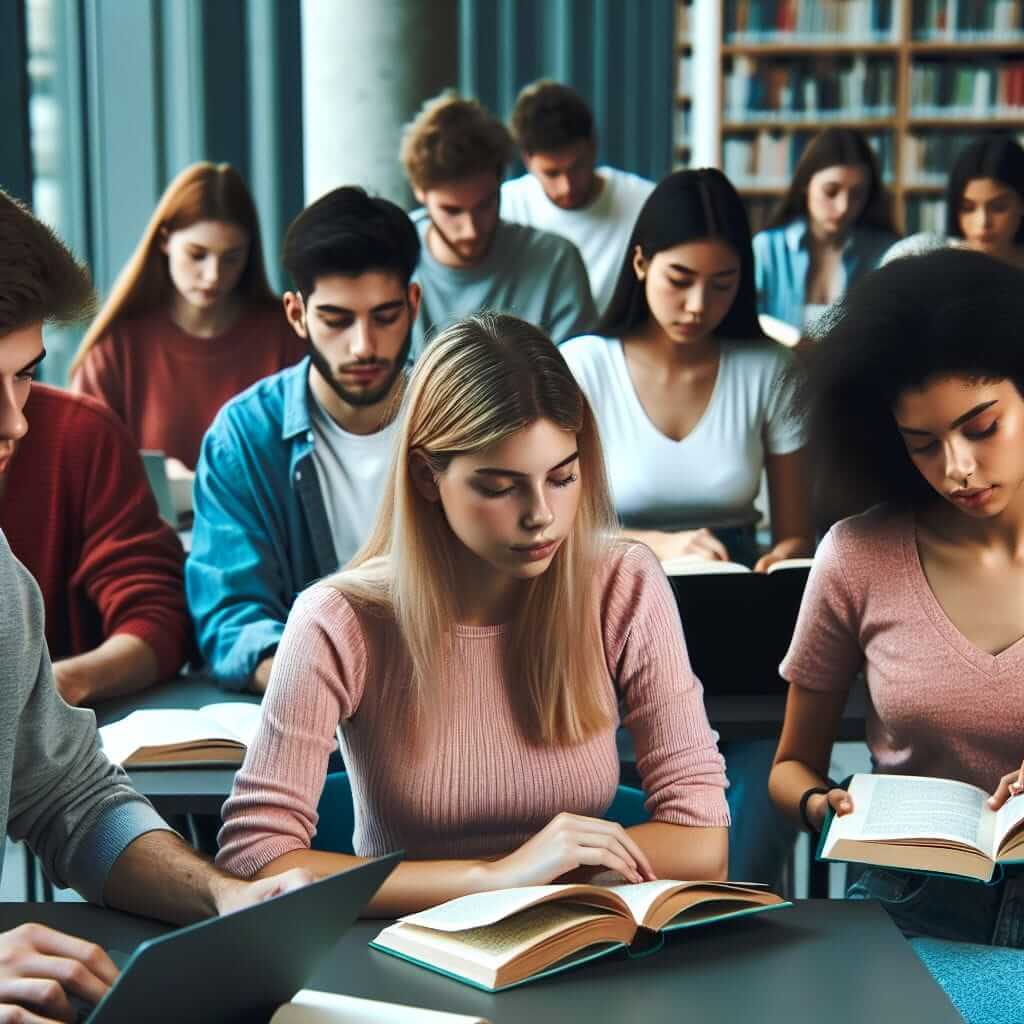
813,791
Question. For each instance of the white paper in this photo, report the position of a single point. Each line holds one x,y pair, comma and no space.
239,718
312,1007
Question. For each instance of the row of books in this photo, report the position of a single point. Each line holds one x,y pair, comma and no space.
767,159
928,156
813,89
980,88
784,20
967,20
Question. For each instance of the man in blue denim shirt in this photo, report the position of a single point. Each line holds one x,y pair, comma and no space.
291,471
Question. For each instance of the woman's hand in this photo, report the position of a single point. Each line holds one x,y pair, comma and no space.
567,842
1010,785
838,799
700,543
791,547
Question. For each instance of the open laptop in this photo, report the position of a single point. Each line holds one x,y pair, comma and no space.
243,966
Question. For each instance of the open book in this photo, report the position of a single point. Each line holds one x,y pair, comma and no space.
312,1007
216,734
694,565
920,824
494,940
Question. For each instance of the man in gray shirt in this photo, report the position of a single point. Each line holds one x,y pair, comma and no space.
58,791
454,153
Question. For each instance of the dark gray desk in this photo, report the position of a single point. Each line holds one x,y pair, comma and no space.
840,962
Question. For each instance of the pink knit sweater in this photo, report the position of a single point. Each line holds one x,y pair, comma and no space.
939,705
478,788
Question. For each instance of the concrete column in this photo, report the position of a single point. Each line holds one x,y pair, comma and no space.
368,65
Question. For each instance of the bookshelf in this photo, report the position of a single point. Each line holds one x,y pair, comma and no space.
920,78
683,104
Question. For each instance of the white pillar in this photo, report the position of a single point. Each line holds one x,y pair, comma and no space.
706,32
367,67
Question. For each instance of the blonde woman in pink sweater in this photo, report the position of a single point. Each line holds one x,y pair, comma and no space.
917,402
474,656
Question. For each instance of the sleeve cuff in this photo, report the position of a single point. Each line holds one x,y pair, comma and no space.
113,831
254,643
168,641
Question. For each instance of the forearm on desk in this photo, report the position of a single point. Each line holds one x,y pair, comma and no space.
160,876
121,664
684,852
412,886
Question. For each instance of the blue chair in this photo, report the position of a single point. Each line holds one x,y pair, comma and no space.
337,815
338,820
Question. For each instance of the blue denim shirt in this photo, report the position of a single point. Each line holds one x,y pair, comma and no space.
782,259
261,532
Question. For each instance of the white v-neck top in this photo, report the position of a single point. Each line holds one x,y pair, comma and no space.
939,705
711,477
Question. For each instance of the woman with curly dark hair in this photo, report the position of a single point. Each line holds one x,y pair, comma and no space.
916,411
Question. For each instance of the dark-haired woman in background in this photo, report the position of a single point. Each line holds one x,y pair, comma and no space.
985,198
833,225
917,402
693,404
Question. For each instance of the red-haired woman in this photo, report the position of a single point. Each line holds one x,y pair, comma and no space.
191,321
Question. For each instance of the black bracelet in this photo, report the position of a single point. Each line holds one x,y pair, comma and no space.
813,791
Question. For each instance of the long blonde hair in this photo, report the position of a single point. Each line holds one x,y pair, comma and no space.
203,191
483,379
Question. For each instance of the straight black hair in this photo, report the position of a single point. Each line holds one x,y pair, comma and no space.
687,206
349,232
948,313
999,157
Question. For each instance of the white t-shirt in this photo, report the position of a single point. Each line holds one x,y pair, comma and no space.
711,477
600,231
352,469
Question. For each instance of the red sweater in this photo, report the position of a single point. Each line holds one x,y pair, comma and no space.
167,385
78,511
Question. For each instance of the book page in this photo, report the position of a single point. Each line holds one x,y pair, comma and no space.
640,897
913,807
1008,817
485,908
313,1007
498,944
238,718
693,565
789,563
158,728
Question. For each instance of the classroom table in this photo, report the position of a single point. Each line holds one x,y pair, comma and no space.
840,961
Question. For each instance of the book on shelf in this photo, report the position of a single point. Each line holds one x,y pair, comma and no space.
768,158
965,21
495,940
810,89
937,826
216,734
929,155
313,1007
979,88
767,21
925,214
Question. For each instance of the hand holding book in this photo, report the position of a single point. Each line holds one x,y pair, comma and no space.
1011,784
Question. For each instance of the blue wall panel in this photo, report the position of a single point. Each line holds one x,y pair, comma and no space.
617,53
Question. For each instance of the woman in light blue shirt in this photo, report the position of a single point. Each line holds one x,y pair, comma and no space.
833,224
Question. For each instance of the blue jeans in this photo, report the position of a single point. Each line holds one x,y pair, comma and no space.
968,935
760,838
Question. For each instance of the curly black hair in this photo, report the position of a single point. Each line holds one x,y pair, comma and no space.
948,313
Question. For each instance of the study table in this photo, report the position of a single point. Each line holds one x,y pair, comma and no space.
840,961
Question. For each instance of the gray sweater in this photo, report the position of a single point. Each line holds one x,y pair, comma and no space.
58,792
